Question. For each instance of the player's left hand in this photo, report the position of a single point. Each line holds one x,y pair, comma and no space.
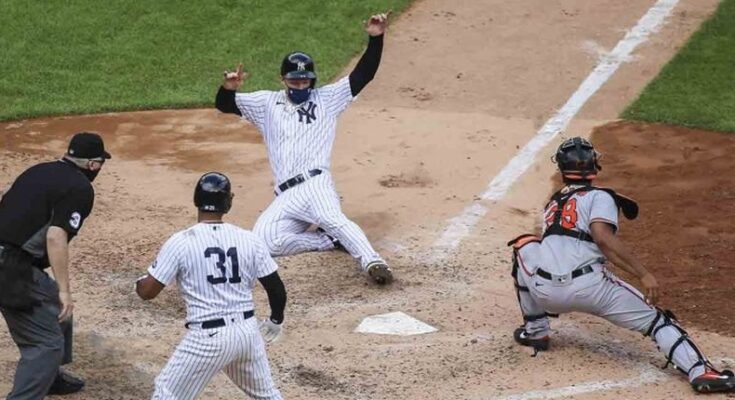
270,330
375,26
650,285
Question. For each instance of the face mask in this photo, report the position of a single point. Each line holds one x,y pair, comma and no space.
298,96
90,174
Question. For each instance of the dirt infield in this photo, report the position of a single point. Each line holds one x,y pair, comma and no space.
462,87
685,235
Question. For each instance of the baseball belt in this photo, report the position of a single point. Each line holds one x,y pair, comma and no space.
298,179
216,323
575,274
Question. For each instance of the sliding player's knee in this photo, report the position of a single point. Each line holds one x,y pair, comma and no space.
272,242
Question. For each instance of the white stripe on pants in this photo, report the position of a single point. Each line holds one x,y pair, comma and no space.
283,225
238,349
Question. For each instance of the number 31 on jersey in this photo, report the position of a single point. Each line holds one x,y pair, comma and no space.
220,259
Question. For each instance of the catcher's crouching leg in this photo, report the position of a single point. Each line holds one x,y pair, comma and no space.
535,329
681,351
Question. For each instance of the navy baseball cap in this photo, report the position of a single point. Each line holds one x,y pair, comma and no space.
87,145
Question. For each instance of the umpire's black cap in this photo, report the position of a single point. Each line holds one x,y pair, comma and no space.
87,145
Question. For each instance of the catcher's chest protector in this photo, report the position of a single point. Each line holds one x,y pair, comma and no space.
561,222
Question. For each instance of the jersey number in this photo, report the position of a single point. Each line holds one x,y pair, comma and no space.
569,215
221,258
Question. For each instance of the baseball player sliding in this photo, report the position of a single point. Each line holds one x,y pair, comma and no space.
299,125
215,265
565,270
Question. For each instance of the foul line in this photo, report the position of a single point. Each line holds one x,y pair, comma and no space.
644,376
460,226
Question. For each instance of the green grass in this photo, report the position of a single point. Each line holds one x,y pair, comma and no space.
89,56
697,87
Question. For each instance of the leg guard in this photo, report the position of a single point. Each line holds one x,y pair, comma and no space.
535,318
675,343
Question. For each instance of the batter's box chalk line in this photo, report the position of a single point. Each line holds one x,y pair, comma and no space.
395,323
643,376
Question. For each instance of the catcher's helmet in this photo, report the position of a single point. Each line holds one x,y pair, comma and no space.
298,65
213,193
577,159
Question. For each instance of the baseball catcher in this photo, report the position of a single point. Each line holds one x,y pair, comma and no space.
564,271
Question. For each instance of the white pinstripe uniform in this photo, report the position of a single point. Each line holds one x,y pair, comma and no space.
215,266
300,139
598,293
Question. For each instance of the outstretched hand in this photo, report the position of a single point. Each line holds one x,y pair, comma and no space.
233,80
375,25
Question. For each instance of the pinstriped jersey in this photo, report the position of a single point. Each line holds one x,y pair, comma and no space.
298,138
215,266
562,254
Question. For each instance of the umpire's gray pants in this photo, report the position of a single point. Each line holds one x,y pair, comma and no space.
43,342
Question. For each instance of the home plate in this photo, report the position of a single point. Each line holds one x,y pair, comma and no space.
395,323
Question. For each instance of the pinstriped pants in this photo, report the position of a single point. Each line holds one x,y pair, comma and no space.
284,224
237,349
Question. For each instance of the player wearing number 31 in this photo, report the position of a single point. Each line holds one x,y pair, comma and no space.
215,265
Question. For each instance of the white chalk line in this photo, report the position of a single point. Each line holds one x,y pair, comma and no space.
643,376
644,372
461,225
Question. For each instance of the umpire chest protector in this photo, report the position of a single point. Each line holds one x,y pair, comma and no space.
561,226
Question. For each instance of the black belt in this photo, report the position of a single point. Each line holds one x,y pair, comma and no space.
298,179
575,274
216,323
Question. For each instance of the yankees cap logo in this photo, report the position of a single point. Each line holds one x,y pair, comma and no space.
301,66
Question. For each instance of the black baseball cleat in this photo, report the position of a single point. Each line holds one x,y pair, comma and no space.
714,381
65,383
521,337
337,244
380,273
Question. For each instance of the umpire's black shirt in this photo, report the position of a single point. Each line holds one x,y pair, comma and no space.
54,193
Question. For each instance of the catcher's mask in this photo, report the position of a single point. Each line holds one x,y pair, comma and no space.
213,193
577,159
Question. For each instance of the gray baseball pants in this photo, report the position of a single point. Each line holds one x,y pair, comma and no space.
44,343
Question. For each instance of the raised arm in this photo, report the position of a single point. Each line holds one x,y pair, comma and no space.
367,66
225,100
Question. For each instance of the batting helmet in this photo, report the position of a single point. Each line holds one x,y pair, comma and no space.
213,193
577,159
298,65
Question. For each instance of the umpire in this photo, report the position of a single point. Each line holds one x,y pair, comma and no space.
40,213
